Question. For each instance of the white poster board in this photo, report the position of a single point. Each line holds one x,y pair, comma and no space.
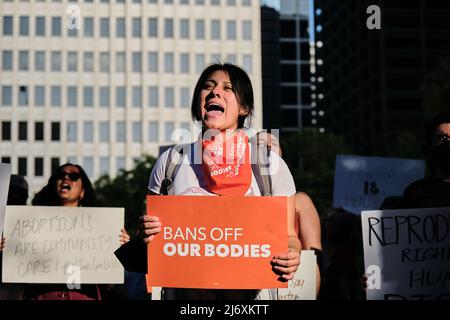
62,245
301,287
407,254
5,175
362,183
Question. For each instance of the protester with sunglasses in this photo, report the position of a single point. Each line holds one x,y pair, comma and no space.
68,186
434,190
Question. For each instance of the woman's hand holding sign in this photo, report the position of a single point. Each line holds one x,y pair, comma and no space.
286,264
148,227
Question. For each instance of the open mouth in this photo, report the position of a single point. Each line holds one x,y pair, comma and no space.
214,109
66,186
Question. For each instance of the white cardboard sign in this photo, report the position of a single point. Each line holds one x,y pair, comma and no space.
407,254
62,245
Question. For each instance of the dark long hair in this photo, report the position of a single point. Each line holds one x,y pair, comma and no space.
48,195
242,87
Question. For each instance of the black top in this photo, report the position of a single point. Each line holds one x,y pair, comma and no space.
427,193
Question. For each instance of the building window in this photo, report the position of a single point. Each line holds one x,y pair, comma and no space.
6,159
23,131
120,97
6,131
247,63
120,163
72,61
6,96
184,28
24,26
184,63
120,131
136,32
40,26
39,131
199,29
152,27
39,61
55,100
22,166
215,29
247,3
168,62
169,128
55,132
169,97
88,65
56,26
23,60
137,97
72,131
104,165
104,96
153,131
56,61
168,28
104,61
247,30
137,131
72,32
184,97
104,27
38,167
153,61
153,97
88,131
7,25
104,131
72,96
120,27
7,60
120,61
23,96
136,60
184,1
88,96
231,30
199,62
88,165
231,58
215,2
200,2
231,2
88,30
39,96
54,164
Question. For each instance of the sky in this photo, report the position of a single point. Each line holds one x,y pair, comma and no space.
272,3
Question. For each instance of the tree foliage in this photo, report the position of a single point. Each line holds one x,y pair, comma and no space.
311,158
128,189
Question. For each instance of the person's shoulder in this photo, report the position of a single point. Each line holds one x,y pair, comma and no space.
423,183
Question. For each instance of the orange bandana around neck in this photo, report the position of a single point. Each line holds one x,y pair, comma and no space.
227,164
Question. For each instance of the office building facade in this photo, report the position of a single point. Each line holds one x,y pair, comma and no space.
102,82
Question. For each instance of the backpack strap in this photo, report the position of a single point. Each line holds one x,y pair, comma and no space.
173,164
260,166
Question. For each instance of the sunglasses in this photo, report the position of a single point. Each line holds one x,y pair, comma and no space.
73,176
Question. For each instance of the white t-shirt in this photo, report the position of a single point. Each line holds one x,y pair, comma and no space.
190,181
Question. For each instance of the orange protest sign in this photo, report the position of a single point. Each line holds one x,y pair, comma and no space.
224,242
